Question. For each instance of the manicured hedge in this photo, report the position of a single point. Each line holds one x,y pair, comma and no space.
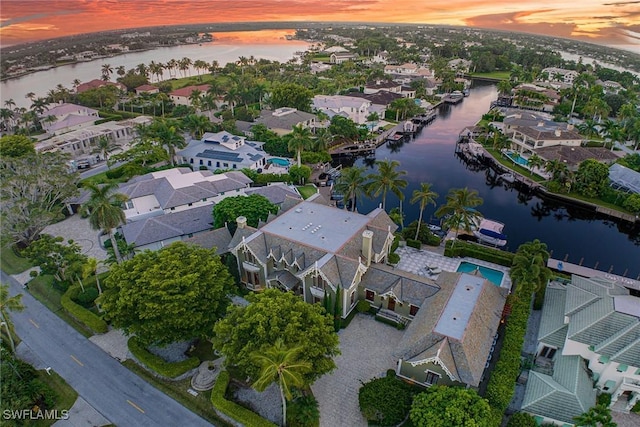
502,383
394,258
472,250
157,364
385,401
414,243
233,410
81,314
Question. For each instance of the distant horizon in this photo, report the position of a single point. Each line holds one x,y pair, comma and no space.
633,48
614,23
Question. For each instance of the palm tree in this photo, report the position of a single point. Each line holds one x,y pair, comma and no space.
104,146
352,183
535,161
322,139
184,65
529,268
196,125
459,209
107,70
199,65
504,87
91,267
167,133
10,103
282,364
231,97
120,70
105,211
300,139
9,304
425,196
6,115
387,179
558,170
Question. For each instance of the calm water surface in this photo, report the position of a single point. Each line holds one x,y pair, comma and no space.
567,230
226,47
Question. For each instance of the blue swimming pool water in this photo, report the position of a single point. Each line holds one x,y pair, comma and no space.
279,162
517,158
494,276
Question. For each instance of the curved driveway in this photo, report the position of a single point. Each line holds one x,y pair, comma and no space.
117,393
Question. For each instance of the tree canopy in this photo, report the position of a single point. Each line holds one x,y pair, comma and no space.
174,294
33,189
273,315
378,408
254,207
592,178
450,406
291,95
16,146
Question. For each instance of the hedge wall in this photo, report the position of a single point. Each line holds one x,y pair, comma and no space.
466,249
233,410
502,383
157,364
414,243
81,314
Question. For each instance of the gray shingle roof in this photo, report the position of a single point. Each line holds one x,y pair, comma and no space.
469,353
407,287
566,394
218,238
163,227
277,193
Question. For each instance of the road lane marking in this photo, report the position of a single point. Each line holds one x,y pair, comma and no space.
76,360
135,406
34,323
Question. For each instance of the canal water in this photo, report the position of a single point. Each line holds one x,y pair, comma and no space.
571,232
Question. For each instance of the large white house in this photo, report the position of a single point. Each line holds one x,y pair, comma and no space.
67,117
589,336
356,109
224,150
560,75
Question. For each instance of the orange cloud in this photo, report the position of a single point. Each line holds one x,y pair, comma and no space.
28,20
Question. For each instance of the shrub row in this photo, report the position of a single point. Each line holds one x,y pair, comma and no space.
414,243
157,364
81,314
233,410
394,258
502,383
457,248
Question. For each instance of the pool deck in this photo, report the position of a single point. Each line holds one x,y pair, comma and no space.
416,261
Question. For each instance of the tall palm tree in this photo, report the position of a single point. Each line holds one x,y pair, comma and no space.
167,133
281,364
529,268
105,211
10,103
387,179
459,209
9,304
559,171
300,138
107,70
322,139
199,65
104,146
352,183
535,161
196,125
91,267
425,196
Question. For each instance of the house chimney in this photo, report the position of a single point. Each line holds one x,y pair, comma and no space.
540,124
558,132
241,221
367,246
570,126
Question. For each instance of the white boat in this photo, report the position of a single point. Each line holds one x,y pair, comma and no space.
508,177
490,233
434,227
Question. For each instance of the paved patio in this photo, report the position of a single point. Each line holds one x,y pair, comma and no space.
367,347
416,260
79,230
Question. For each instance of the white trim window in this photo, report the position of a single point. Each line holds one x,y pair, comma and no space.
431,377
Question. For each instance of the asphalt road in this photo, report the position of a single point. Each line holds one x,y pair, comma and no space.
117,393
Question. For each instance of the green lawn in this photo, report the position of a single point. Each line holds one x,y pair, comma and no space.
598,202
500,75
307,191
508,163
42,289
177,390
11,263
66,395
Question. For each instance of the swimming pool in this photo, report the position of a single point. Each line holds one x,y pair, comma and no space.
517,158
494,276
279,162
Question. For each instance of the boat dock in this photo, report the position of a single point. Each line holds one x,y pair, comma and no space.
453,98
580,270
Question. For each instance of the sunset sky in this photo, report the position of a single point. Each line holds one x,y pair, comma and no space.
600,21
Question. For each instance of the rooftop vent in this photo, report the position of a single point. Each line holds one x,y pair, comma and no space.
298,210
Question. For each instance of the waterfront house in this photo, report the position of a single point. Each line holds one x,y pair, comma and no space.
319,67
623,178
451,337
589,336
340,57
351,107
380,101
182,96
321,252
97,83
282,120
223,150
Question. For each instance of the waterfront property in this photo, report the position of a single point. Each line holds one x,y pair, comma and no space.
223,150
320,252
67,117
494,276
589,335
356,109
282,120
625,179
182,96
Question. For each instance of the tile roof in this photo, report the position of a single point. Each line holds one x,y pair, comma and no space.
566,394
575,155
169,226
70,121
273,120
553,330
186,91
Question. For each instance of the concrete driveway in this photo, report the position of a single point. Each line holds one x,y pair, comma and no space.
79,230
367,347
